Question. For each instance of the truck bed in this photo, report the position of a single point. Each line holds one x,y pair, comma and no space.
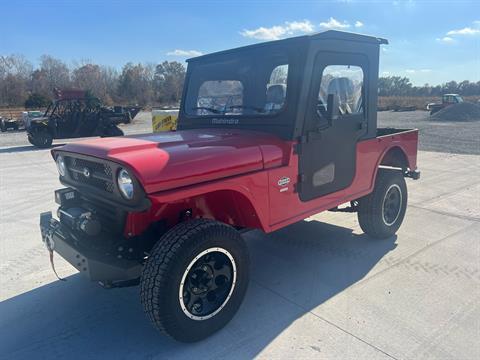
391,131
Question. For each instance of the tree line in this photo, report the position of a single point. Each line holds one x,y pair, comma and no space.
401,86
22,84
144,84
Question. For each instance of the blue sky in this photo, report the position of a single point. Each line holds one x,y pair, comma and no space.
430,41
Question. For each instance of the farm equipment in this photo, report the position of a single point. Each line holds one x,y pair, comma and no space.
8,123
74,114
9,119
267,135
447,100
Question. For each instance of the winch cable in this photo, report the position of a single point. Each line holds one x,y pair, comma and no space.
53,265
49,244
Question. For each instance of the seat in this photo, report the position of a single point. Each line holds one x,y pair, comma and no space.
344,89
275,97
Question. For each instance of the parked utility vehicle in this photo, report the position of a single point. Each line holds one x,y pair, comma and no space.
447,100
8,123
268,135
74,114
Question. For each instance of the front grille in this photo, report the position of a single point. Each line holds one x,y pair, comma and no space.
92,173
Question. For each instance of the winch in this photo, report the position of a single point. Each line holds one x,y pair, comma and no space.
74,216
81,220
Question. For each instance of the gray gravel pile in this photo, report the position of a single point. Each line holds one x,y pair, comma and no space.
465,111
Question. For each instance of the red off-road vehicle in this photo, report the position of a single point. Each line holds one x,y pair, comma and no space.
268,135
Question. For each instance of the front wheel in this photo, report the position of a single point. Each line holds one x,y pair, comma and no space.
195,279
41,138
381,213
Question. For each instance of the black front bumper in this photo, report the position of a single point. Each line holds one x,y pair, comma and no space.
96,265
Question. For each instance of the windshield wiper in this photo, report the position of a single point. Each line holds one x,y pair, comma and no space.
246,107
215,111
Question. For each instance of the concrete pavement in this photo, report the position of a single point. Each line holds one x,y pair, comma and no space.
319,288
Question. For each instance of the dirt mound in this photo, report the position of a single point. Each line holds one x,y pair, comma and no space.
465,111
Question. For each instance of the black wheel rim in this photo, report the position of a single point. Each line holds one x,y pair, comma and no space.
207,284
392,204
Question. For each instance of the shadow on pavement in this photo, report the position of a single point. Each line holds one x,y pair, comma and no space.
29,148
292,272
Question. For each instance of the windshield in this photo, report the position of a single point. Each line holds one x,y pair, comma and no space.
252,83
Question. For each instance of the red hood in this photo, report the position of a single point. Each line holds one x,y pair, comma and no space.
169,160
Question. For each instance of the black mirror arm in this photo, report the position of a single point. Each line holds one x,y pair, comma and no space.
332,108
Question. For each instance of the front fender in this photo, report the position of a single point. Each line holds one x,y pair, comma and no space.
240,201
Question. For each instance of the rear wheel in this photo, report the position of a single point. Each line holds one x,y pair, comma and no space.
113,130
30,140
381,213
195,279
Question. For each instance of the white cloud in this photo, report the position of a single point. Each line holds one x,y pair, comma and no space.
385,73
290,28
262,33
301,26
414,71
446,40
279,31
179,52
334,24
464,31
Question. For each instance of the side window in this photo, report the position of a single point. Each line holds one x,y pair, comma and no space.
225,96
346,83
276,91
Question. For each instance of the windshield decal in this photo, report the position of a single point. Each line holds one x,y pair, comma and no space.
220,121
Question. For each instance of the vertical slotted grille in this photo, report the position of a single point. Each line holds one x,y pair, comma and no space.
92,173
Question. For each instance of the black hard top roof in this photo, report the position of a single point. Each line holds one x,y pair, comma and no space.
324,35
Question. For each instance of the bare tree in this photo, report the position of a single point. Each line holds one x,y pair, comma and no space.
90,77
169,79
56,72
135,84
14,77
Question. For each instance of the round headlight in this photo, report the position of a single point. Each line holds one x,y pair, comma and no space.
61,165
125,184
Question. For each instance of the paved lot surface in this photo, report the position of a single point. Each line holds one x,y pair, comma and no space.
319,289
441,136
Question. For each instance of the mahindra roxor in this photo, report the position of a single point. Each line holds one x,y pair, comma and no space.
268,135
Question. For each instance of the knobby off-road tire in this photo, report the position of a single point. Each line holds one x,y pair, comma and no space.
381,213
42,139
113,131
176,266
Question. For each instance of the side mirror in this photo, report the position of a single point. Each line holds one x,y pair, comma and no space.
332,108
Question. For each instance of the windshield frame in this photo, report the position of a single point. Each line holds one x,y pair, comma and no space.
245,53
285,123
